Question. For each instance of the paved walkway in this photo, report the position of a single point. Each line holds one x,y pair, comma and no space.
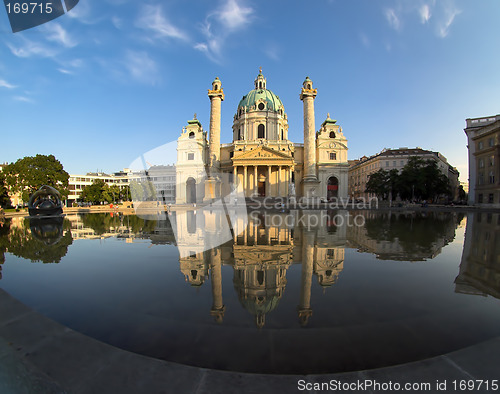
38,355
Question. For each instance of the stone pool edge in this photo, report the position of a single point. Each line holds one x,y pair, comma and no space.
39,355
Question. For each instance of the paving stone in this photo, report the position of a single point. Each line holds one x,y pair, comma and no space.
480,361
221,382
133,373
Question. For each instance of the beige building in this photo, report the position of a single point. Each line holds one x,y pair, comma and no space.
483,143
261,161
394,159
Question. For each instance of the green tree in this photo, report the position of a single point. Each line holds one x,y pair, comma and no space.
125,194
422,179
28,174
4,192
378,184
94,193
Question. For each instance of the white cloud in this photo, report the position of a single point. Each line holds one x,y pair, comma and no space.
152,19
5,84
64,71
55,32
425,13
234,16
392,18
117,22
141,67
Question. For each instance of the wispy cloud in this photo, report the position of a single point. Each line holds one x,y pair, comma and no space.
30,48
153,19
231,17
141,67
425,13
56,33
450,12
392,18
364,40
24,99
5,84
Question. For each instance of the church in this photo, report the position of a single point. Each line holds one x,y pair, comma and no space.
261,161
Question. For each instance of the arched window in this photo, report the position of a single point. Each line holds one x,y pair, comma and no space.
308,86
216,87
282,134
261,131
240,137
332,134
260,85
191,135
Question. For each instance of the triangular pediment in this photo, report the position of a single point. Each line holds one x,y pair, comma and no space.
262,153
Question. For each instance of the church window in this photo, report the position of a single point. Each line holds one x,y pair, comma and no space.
231,154
261,106
282,134
333,156
308,86
260,277
332,134
261,131
216,87
191,135
239,134
190,156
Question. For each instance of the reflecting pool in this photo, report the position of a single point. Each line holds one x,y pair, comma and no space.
287,292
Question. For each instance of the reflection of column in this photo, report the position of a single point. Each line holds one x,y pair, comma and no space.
218,307
304,308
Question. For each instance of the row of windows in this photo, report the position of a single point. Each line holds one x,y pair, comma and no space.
491,178
491,198
491,142
261,133
491,161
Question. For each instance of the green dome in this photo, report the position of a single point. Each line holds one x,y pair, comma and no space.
273,102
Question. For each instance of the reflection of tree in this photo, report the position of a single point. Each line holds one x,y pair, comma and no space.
101,223
40,245
417,233
4,241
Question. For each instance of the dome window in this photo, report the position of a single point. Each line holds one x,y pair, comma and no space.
191,135
261,131
261,106
332,134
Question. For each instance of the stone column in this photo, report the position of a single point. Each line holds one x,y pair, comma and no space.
245,180
216,96
307,95
268,182
279,182
212,185
255,181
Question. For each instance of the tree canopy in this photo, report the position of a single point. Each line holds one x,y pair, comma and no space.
4,192
99,191
28,174
419,179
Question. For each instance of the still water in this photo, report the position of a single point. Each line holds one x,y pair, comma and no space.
297,292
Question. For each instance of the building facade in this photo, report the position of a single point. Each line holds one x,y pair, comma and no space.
483,143
394,159
261,161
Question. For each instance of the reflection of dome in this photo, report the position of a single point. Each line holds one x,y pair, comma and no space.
254,97
260,305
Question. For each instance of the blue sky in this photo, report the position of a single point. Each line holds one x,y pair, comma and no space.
113,79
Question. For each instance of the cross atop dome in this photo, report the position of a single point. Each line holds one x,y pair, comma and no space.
260,81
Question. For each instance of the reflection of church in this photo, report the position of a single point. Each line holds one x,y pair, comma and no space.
261,159
260,256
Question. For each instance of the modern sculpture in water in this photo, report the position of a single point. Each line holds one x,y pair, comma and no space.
45,202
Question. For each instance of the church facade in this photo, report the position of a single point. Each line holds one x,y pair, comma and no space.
261,160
